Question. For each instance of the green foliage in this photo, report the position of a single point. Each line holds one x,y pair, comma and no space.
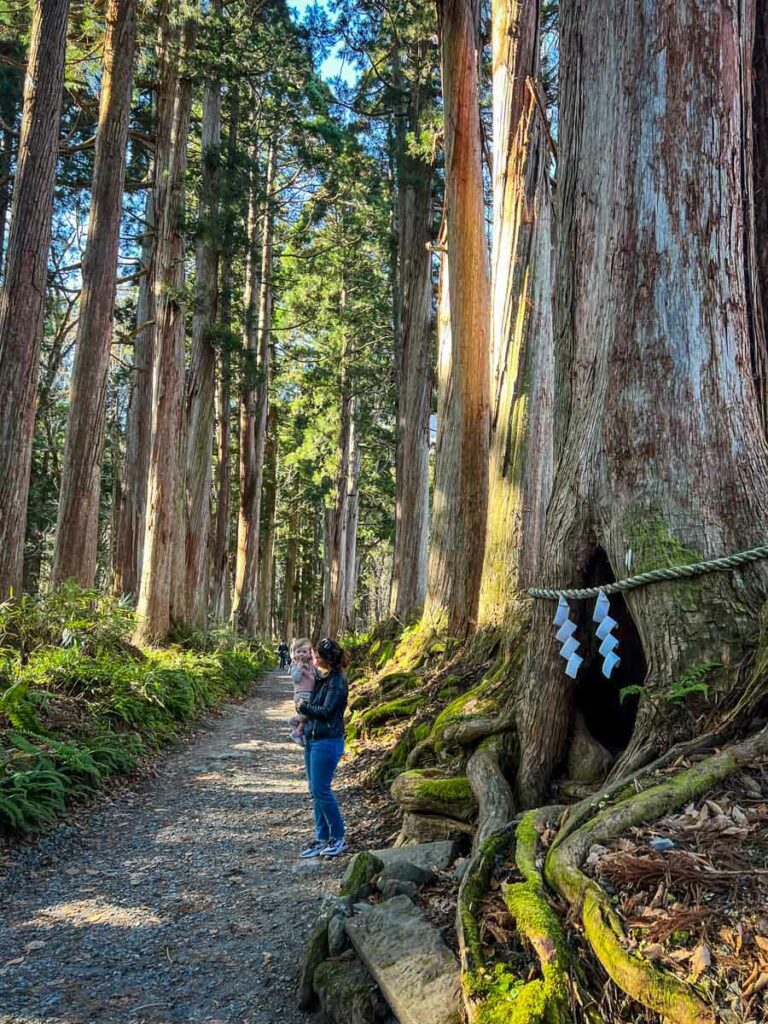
76,711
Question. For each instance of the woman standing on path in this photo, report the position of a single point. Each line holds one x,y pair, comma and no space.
324,745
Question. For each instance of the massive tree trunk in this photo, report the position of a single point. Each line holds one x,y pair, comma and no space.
291,580
132,512
269,501
222,579
253,421
201,382
660,453
414,362
520,463
77,529
174,107
22,299
457,549
760,199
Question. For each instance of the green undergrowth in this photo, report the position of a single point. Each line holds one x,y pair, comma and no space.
80,703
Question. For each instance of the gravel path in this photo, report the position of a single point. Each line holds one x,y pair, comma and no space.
180,901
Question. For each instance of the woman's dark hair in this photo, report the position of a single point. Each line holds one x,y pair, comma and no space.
332,654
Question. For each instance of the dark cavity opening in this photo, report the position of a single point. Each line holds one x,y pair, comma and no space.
609,718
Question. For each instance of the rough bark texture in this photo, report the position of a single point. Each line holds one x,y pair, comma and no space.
131,519
460,543
760,200
269,502
22,299
77,530
174,106
291,581
522,362
253,422
659,446
353,516
414,361
222,578
201,380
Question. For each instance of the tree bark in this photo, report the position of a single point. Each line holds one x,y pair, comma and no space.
414,362
77,529
174,107
22,299
759,195
222,578
291,581
659,446
201,381
132,514
522,343
462,537
253,425
269,500
353,516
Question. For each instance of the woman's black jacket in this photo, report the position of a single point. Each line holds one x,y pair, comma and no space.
325,711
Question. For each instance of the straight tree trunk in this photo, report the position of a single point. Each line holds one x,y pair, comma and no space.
269,500
77,529
522,343
22,298
459,545
337,521
759,190
253,426
660,452
6,150
414,364
291,580
201,382
222,579
353,516
174,108
132,513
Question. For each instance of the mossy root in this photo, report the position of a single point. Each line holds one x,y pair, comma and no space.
660,991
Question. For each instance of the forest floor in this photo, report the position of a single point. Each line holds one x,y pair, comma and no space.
182,898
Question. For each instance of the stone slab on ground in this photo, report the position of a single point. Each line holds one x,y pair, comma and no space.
348,994
409,961
437,856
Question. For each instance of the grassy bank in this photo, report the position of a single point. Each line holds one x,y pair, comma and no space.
79,703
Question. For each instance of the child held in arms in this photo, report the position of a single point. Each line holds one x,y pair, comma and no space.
303,676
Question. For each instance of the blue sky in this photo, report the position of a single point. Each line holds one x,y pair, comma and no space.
333,66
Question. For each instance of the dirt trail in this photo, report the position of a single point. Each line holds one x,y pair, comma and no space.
180,901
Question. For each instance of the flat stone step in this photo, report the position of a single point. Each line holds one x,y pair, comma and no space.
410,962
438,856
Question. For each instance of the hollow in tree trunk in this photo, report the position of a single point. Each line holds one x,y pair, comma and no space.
22,298
660,452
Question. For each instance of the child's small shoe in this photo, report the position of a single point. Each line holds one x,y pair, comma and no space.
296,738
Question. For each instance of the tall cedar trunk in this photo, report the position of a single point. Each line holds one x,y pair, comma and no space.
659,447
337,521
22,299
268,526
77,530
353,516
253,429
522,360
6,158
174,107
201,382
132,513
414,364
760,199
222,579
457,549
291,580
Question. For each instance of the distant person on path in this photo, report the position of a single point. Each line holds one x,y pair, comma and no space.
302,670
323,747
282,653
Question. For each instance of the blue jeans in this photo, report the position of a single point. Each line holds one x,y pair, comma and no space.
320,760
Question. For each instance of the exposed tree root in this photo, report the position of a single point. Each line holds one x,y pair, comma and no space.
423,750
466,733
491,789
425,793
654,988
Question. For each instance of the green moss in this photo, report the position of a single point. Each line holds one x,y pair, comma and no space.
454,789
420,732
652,544
363,867
395,682
400,707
